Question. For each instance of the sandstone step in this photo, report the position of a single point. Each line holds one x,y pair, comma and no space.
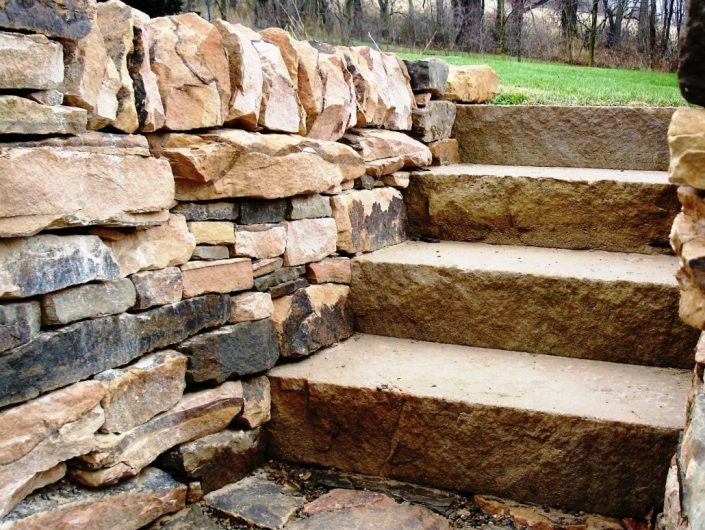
580,434
577,208
598,305
566,136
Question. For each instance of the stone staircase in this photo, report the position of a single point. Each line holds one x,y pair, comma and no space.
535,353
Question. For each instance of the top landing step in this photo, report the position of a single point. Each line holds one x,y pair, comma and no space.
562,136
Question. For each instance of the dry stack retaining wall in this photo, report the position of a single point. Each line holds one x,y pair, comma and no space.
179,201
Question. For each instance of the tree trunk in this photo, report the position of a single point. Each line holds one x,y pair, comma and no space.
357,29
643,27
469,16
593,33
499,29
384,18
514,28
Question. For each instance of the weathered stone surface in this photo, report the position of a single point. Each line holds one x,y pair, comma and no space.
686,139
345,509
19,323
428,75
151,249
378,144
30,61
192,71
71,19
208,211
368,220
211,252
261,212
503,414
124,455
673,516
23,116
231,351
159,287
380,168
140,391
221,276
374,101
398,179
256,409
471,84
280,275
540,517
688,242
217,459
257,501
312,318
692,462
309,240
310,83
212,232
130,505
193,517
434,122
260,241
463,293
72,353
246,78
115,20
287,288
330,270
39,435
45,263
338,106
554,136
148,100
261,267
281,110
235,163
445,152
692,50
47,97
422,99
402,97
250,306
91,79
510,205
309,207
169,324
124,187
88,301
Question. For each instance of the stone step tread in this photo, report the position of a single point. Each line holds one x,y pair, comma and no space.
595,265
625,394
571,174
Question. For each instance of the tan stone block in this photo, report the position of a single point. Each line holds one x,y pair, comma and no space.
261,267
471,84
330,270
256,408
445,152
148,100
309,240
220,276
212,232
140,391
250,306
402,97
30,61
338,110
376,144
398,179
686,139
23,116
159,287
260,241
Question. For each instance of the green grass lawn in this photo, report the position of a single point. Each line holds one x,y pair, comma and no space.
543,83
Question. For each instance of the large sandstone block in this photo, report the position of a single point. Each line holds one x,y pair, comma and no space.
192,71
45,263
387,151
67,355
368,220
686,139
338,110
120,186
212,232
471,84
372,91
30,61
445,152
70,19
153,248
217,459
692,462
309,240
197,414
246,77
330,270
88,301
23,116
140,391
555,136
250,306
160,287
433,122
148,100
510,205
41,434
220,276
428,75
400,89
235,163
260,241
129,505
312,318
19,323
231,351
173,323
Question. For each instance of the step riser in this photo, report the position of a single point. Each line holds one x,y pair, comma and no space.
600,137
576,463
544,212
616,321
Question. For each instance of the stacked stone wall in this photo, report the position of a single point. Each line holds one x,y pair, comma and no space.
179,202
